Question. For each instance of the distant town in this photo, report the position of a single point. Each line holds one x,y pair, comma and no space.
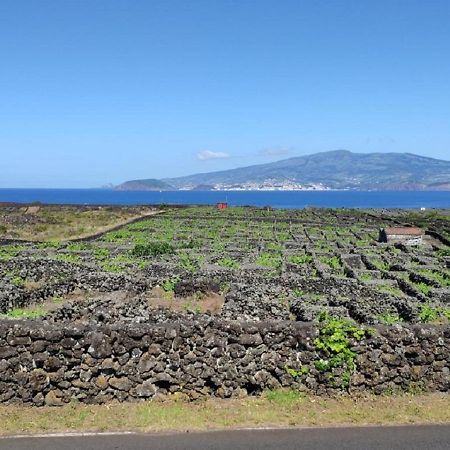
267,185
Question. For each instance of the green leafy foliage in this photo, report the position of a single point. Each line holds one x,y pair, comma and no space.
18,281
8,252
296,373
118,235
442,279
334,343
68,257
153,249
78,247
111,266
269,260
365,276
392,290
169,284
429,313
228,262
190,262
19,313
423,287
389,318
300,259
101,253
297,292
443,252
334,262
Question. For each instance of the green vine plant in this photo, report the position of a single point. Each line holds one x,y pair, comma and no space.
294,373
336,336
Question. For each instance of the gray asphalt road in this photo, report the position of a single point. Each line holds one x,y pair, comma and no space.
370,438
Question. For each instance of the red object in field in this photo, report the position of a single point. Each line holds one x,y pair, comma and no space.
222,205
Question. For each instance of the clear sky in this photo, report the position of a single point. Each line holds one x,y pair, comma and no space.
102,91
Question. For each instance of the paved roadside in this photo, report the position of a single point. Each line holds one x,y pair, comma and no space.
430,437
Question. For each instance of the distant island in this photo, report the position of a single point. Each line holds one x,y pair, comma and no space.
333,170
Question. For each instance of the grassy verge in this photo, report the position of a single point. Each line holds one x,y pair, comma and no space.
278,409
49,223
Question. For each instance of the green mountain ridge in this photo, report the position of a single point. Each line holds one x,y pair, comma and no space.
149,184
338,169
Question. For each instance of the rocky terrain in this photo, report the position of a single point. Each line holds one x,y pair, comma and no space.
200,301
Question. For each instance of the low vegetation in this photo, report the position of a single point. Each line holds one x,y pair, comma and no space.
276,409
38,222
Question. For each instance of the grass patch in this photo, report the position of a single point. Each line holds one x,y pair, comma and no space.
60,222
269,260
275,408
228,262
284,397
25,313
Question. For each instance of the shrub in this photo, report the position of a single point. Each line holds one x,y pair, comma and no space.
68,257
111,266
300,259
429,313
101,253
334,262
190,262
18,281
169,284
153,249
297,292
269,260
228,262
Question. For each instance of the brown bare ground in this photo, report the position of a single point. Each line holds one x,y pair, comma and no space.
209,302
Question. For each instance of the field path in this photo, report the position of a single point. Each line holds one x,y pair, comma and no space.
101,231
88,237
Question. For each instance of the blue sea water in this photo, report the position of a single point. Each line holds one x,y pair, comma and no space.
276,199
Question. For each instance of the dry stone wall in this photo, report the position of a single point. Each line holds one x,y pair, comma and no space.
44,363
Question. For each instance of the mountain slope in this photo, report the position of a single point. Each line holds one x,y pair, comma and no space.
144,185
339,169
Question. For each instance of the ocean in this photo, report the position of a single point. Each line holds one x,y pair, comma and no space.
276,199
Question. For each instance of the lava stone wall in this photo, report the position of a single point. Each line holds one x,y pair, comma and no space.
56,279
46,364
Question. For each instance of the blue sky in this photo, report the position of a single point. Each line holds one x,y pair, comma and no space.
95,92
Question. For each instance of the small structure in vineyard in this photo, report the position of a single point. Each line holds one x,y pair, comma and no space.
404,235
222,205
